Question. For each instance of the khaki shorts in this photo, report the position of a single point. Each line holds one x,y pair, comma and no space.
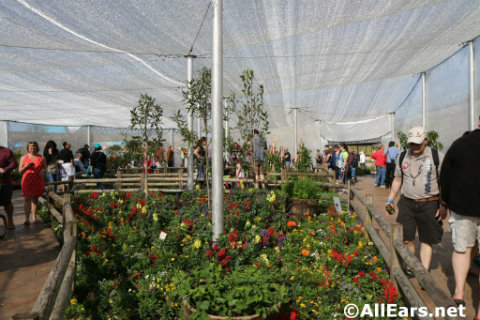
258,167
465,230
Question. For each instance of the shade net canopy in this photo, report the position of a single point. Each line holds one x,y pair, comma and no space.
76,63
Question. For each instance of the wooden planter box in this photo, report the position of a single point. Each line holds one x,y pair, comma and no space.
299,207
188,310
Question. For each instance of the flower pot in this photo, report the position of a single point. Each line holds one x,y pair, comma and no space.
299,207
188,310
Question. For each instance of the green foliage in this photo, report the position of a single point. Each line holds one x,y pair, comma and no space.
147,118
275,161
304,161
433,140
249,107
301,189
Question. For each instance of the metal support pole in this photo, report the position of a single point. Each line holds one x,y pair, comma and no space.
7,124
171,136
89,136
199,126
424,101
295,134
392,115
227,154
190,126
471,105
217,120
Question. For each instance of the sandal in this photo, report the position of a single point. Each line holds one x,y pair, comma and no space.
26,223
460,302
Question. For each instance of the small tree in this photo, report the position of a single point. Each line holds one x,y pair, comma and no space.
147,118
249,107
433,140
304,159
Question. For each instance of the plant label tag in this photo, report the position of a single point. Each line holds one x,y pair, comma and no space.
163,235
338,205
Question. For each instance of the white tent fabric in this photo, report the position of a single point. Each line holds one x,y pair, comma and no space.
84,62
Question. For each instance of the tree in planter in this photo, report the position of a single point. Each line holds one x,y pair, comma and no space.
304,161
248,106
433,140
146,117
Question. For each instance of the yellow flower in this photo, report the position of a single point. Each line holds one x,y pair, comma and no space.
172,259
250,190
308,245
73,301
110,301
197,244
360,244
155,217
292,278
242,186
257,238
302,305
197,187
144,209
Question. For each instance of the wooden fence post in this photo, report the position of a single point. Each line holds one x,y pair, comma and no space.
348,195
368,216
180,181
70,183
50,189
396,233
119,176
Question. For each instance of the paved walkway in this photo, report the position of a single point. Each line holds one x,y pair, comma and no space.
441,265
27,255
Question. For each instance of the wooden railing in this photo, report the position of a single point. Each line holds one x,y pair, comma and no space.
394,251
54,296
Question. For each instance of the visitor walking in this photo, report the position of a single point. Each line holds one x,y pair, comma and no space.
170,156
392,154
362,159
288,159
31,166
460,185
201,159
50,153
318,160
8,163
416,177
98,163
85,155
66,159
259,147
381,165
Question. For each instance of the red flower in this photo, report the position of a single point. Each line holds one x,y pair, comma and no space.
215,247
294,315
355,280
291,223
209,253
221,253
225,261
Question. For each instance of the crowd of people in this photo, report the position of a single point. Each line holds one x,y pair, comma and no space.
53,165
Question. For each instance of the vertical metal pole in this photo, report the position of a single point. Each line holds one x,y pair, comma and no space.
424,101
227,154
190,126
89,137
217,119
7,125
199,126
295,134
171,136
392,115
471,105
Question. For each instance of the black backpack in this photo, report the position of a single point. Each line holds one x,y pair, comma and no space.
436,160
350,159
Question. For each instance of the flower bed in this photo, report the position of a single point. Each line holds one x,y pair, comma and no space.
138,258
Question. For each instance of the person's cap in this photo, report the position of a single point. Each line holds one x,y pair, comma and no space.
97,146
416,135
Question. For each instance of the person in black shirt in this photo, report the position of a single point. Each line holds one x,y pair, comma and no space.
98,163
85,152
66,157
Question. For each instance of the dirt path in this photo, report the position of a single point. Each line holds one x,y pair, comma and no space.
27,255
441,265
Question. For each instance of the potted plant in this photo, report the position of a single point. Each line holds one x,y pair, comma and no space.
301,196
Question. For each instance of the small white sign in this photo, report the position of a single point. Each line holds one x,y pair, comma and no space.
338,205
163,235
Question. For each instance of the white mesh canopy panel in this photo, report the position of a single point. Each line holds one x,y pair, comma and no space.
85,62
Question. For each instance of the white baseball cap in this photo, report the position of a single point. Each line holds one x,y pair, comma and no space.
416,135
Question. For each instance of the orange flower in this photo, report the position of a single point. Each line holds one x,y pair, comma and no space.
291,224
312,233
305,252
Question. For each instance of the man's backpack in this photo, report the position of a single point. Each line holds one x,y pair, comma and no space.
436,160
350,159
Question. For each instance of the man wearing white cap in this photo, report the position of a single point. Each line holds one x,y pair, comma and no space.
416,174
